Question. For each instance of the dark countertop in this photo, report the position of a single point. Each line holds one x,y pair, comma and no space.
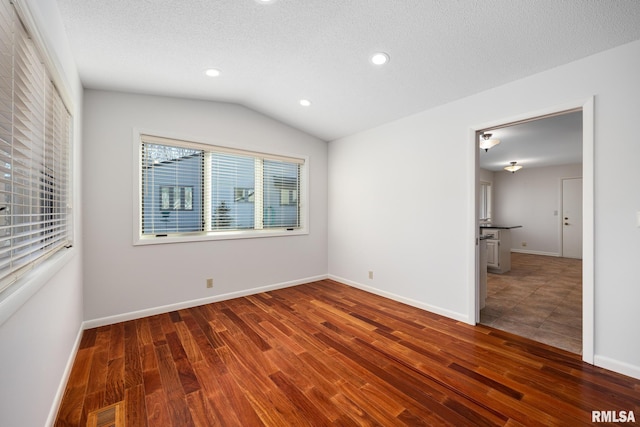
501,227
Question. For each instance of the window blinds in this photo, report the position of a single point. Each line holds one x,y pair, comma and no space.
35,138
230,189
281,184
172,180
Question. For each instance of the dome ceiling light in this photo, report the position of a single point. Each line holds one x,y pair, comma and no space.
486,142
513,168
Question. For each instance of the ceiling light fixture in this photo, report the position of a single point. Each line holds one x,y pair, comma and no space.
379,58
486,142
513,167
212,72
305,102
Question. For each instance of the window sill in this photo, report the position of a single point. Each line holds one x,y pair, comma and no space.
217,235
16,295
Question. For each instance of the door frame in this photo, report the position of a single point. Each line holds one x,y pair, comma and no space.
588,208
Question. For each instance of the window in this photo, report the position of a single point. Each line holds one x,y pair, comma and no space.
244,195
176,198
485,201
192,191
35,139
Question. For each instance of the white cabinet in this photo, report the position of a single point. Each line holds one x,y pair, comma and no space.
493,256
498,250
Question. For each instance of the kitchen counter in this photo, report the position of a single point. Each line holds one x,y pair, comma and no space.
500,227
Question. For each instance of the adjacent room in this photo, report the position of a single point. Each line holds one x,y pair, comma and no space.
531,220
273,212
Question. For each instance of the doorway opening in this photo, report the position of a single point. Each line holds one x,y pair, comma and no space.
543,287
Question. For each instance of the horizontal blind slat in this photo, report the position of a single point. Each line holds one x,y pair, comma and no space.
34,149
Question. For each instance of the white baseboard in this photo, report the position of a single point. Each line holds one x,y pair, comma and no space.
617,366
55,406
110,320
526,251
427,307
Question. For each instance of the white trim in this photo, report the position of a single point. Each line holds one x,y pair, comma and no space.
588,209
414,303
55,406
588,231
217,235
180,142
617,366
16,295
94,323
473,231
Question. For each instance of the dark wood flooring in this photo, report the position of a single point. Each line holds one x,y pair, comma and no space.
328,354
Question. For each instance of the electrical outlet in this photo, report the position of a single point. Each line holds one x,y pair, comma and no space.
210,283
371,275
524,244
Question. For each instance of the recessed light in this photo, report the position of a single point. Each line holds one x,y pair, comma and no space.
305,102
212,72
265,1
379,58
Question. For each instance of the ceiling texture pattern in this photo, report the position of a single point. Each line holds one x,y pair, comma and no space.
273,54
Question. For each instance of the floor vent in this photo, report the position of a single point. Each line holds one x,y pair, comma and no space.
109,416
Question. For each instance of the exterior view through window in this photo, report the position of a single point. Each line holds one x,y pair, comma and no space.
190,188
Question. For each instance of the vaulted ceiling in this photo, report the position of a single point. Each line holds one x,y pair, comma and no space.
272,54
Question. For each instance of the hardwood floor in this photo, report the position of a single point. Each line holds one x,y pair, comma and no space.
328,354
540,298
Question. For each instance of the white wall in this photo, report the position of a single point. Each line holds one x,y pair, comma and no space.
401,197
125,281
532,198
40,324
485,175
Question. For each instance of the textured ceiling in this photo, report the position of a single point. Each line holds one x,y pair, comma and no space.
272,55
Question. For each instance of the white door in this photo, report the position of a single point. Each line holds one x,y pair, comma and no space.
572,218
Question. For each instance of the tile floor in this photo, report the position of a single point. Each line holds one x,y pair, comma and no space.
540,298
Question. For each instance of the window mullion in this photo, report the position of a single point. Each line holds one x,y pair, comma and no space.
258,193
206,189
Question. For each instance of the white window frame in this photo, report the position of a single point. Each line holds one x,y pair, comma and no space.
486,194
147,239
